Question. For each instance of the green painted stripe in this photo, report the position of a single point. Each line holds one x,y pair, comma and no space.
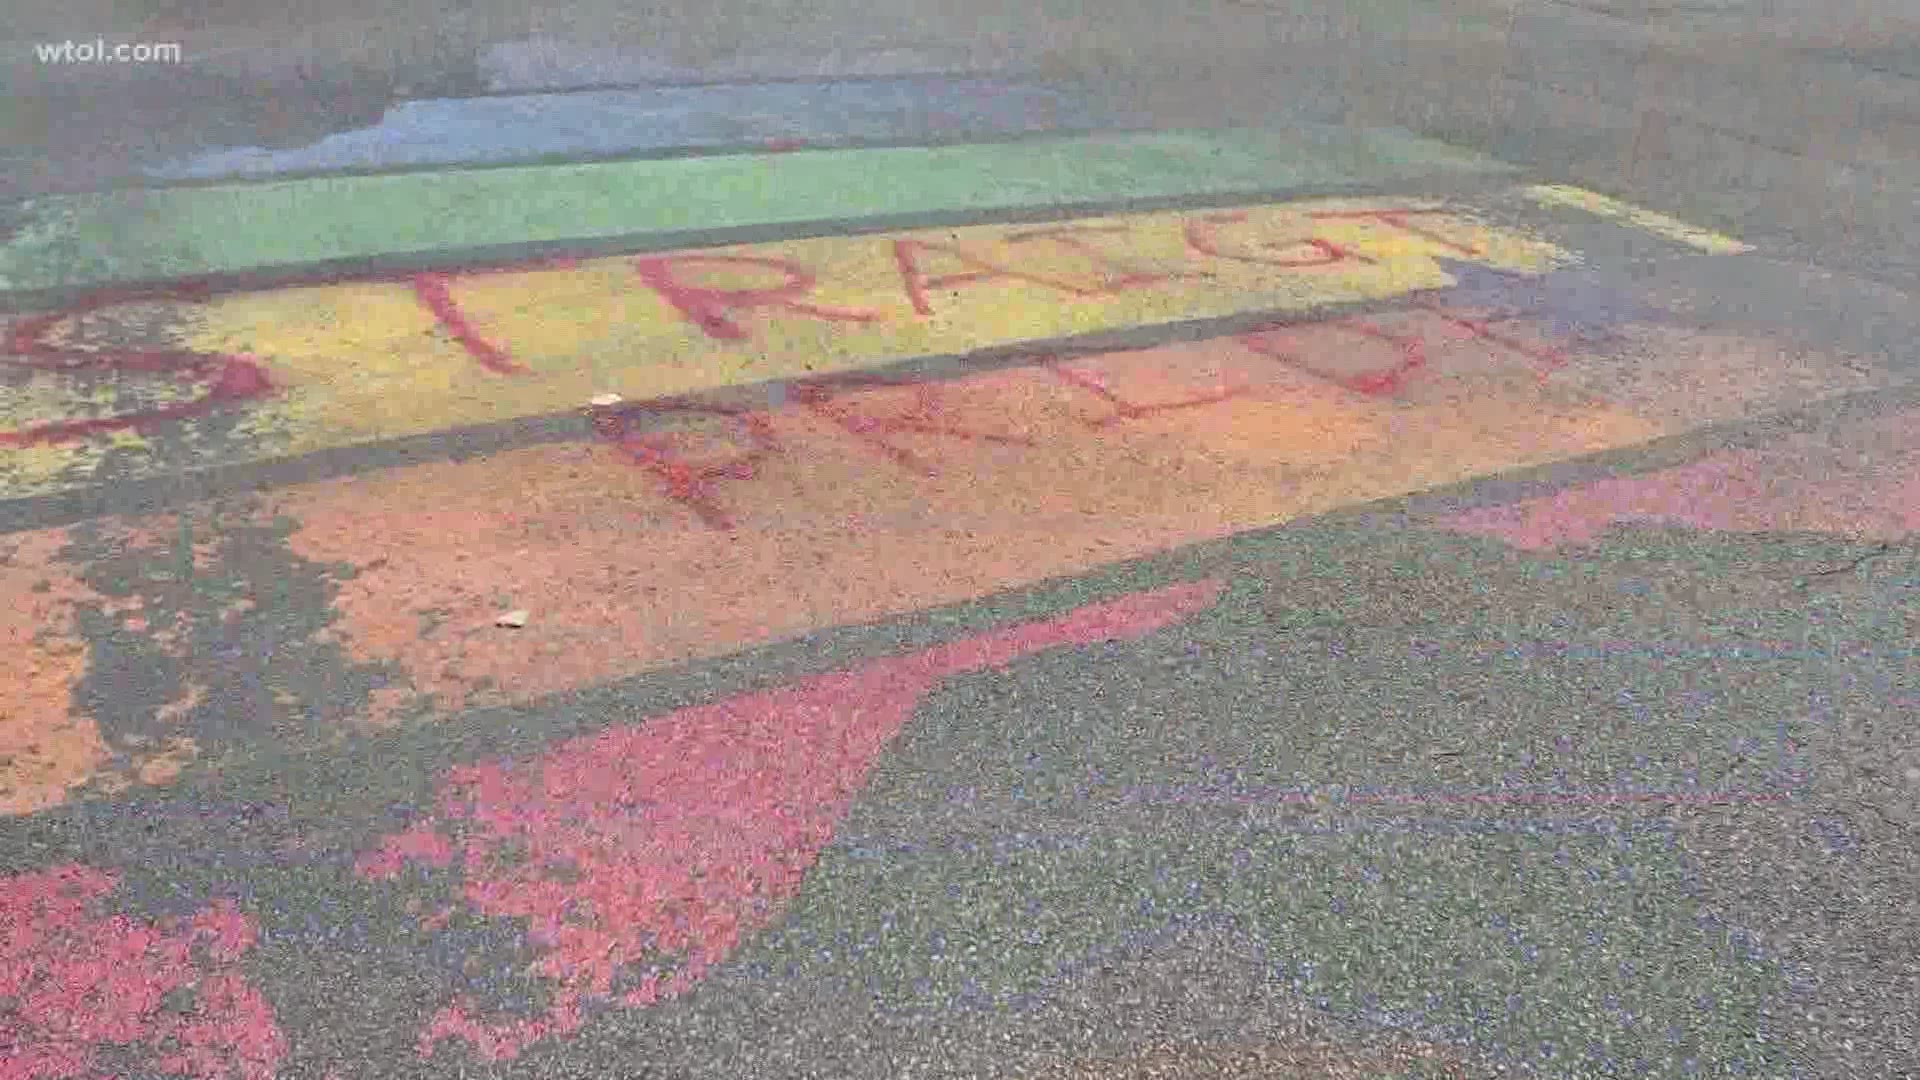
64,242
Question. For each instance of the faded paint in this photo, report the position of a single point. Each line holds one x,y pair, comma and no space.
1868,490
1683,378
350,363
605,326
45,748
524,127
93,993
1671,228
161,643
103,238
77,379
642,552
716,533
651,851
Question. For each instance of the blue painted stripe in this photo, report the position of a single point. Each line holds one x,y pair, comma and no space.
488,130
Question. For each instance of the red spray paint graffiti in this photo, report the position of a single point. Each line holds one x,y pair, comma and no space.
227,378
712,309
1372,383
434,290
648,853
1546,361
1124,410
1203,238
908,256
716,310
1279,343
436,295
692,483
848,401
824,397
1398,218
74,982
1077,239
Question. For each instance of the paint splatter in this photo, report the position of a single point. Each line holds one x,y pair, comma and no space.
87,995
641,857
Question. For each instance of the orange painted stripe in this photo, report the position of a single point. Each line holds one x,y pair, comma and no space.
684,534
728,530
43,745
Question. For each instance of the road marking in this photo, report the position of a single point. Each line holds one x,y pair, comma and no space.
253,376
683,531
1659,224
694,532
110,238
87,972
1737,491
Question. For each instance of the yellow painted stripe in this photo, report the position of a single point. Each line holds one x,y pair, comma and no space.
1659,224
358,362
367,361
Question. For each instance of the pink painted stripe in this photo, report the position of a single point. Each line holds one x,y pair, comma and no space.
1869,486
82,982
652,850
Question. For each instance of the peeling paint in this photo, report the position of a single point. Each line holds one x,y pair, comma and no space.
705,537
90,993
46,748
163,644
230,642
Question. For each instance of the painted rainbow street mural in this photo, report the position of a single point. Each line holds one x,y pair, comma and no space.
538,665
